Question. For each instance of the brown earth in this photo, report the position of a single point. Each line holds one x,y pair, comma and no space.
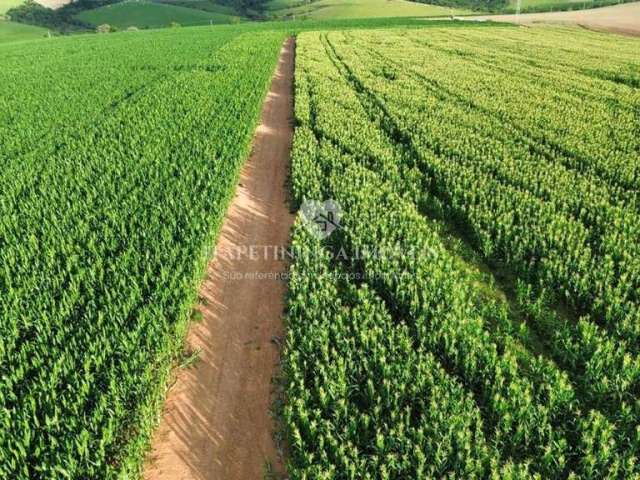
54,4
623,18
217,423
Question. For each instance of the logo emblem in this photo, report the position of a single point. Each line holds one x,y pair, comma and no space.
321,218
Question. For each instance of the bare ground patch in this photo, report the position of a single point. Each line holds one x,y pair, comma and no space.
623,18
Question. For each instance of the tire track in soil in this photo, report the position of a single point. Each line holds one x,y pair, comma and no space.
216,424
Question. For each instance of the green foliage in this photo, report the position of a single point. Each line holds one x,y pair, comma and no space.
206,5
527,6
32,13
115,179
377,404
483,5
331,9
144,14
533,6
12,32
529,149
62,19
105,28
8,4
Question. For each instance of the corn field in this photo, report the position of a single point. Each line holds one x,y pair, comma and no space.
517,150
106,224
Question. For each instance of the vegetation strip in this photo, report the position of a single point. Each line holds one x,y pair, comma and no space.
557,394
103,246
227,394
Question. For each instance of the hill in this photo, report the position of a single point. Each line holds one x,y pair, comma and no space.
143,14
12,31
533,6
474,313
206,5
623,18
328,9
526,6
7,4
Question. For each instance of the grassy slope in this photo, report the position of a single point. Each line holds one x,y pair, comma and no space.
532,6
146,14
59,93
206,5
325,9
536,3
7,4
12,32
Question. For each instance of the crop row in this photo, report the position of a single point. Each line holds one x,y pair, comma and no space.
552,228
377,406
104,233
392,143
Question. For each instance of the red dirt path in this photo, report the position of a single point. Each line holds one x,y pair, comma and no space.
216,424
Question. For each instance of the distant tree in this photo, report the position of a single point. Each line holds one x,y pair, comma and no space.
105,28
248,7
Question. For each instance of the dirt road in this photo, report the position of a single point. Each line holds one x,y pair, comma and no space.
216,424
623,18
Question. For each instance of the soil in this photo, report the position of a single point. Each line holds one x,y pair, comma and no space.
217,423
53,4
623,18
